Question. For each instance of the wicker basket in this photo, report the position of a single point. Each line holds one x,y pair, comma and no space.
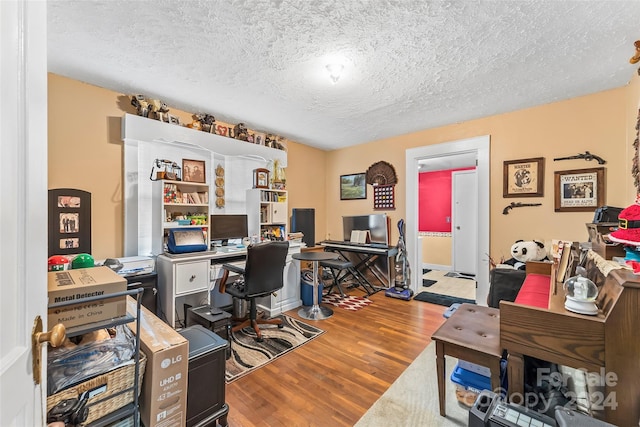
109,384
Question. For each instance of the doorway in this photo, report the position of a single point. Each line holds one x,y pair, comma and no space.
479,148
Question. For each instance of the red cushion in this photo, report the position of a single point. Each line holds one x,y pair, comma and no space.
535,291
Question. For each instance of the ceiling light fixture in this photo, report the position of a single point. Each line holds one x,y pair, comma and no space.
335,70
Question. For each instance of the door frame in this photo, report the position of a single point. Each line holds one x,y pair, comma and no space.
480,146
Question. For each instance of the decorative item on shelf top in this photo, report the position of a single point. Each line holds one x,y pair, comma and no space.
279,179
381,173
141,104
274,141
165,169
240,132
159,110
206,122
261,178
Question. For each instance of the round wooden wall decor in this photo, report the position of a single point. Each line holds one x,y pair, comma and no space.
381,173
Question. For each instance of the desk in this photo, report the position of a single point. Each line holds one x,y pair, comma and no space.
315,312
606,343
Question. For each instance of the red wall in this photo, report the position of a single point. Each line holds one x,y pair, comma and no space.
434,200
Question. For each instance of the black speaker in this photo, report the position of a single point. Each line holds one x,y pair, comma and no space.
304,220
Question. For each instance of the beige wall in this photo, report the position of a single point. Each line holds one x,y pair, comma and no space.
436,250
597,123
85,151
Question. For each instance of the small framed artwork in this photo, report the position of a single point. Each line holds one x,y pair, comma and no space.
261,178
579,190
523,178
193,171
353,186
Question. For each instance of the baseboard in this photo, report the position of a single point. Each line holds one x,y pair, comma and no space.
437,267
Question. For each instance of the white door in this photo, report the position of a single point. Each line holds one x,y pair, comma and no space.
23,215
464,221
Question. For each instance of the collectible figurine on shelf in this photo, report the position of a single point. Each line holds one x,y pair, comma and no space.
240,132
141,105
207,123
269,140
159,110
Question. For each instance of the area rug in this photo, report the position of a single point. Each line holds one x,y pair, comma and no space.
445,300
349,302
412,400
426,282
247,354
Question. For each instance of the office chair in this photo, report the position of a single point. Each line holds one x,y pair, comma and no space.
262,275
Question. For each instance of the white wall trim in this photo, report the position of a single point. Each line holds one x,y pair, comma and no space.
480,145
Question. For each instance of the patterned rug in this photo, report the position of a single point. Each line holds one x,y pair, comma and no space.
348,303
247,354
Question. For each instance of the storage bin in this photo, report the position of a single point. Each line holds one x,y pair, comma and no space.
469,385
306,293
101,387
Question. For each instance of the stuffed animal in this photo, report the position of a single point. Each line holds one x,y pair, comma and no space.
523,251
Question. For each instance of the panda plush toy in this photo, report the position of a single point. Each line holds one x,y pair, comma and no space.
523,251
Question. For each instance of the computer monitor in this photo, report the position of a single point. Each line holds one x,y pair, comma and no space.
228,226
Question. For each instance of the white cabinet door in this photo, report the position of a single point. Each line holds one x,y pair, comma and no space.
279,213
191,277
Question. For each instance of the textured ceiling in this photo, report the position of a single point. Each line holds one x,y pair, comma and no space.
408,65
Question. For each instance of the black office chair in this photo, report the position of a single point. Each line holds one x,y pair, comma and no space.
262,275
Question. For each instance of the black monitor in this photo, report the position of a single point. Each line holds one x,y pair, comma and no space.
228,226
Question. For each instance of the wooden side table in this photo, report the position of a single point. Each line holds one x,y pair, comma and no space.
472,333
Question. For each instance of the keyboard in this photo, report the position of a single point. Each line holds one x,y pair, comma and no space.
365,245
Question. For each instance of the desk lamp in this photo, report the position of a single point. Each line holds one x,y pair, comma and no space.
580,295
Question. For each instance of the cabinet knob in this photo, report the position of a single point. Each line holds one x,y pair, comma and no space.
192,278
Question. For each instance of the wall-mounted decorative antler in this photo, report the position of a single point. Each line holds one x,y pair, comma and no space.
512,205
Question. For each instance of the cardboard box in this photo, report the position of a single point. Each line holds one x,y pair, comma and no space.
72,285
163,400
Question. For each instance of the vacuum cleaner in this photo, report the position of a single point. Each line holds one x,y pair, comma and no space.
401,288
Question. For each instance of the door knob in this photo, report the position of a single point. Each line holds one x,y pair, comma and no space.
55,337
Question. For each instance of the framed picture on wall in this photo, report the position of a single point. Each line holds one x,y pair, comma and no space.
353,186
523,178
69,221
193,171
579,190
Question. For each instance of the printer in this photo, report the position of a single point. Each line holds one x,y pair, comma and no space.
131,266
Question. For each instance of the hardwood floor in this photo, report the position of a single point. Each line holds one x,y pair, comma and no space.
334,379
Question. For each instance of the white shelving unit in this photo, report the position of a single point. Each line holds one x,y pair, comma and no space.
267,213
178,199
146,140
